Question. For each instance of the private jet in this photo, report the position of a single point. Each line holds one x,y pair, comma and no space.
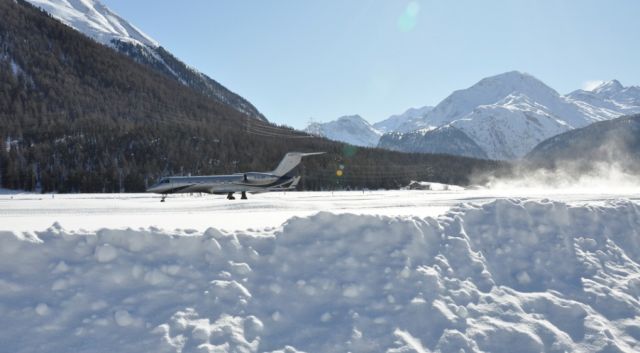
280,179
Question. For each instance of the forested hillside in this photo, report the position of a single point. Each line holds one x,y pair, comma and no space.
76,116
612,143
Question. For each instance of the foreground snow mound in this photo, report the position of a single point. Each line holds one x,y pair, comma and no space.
507,276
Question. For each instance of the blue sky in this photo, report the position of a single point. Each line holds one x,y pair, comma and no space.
300,60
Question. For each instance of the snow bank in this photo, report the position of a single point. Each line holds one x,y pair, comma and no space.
506,276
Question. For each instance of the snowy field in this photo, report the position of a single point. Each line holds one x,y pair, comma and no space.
397,271
29,212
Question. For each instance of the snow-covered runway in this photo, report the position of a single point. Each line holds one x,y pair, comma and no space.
29,212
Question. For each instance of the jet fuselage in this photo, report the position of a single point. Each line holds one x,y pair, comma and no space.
220,184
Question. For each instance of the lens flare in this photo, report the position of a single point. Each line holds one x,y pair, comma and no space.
349,151
413,8
409,18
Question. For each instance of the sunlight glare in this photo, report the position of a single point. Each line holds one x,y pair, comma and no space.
409,18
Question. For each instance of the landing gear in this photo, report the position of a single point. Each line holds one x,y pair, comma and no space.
244,195
230,196
163,197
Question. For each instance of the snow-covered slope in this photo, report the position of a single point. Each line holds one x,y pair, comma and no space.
505,115
494,89
508,114
509,128
504,130
357,131
611,95
352,129
96,21
506,276
445,139
626,97
398,123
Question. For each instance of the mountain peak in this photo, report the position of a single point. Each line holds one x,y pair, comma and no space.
505,115
515,79
395,122
353,118
488,91
612,86
515,74
351,129
94,19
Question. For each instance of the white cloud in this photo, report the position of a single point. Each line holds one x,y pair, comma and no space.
591,85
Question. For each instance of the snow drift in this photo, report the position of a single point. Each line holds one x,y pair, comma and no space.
509,275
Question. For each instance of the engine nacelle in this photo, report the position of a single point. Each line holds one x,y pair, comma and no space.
259,178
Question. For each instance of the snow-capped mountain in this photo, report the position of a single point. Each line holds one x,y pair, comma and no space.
611,95
352,129
355,130
494,89
504,130
509,128
504,116
98,22
398,123
508,114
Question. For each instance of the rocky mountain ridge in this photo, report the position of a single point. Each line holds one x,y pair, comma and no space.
504,115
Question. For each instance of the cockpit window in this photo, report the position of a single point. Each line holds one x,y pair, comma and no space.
164,181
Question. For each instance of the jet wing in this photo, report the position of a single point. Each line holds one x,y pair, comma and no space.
285,187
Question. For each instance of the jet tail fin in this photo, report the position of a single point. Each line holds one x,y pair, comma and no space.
290,161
